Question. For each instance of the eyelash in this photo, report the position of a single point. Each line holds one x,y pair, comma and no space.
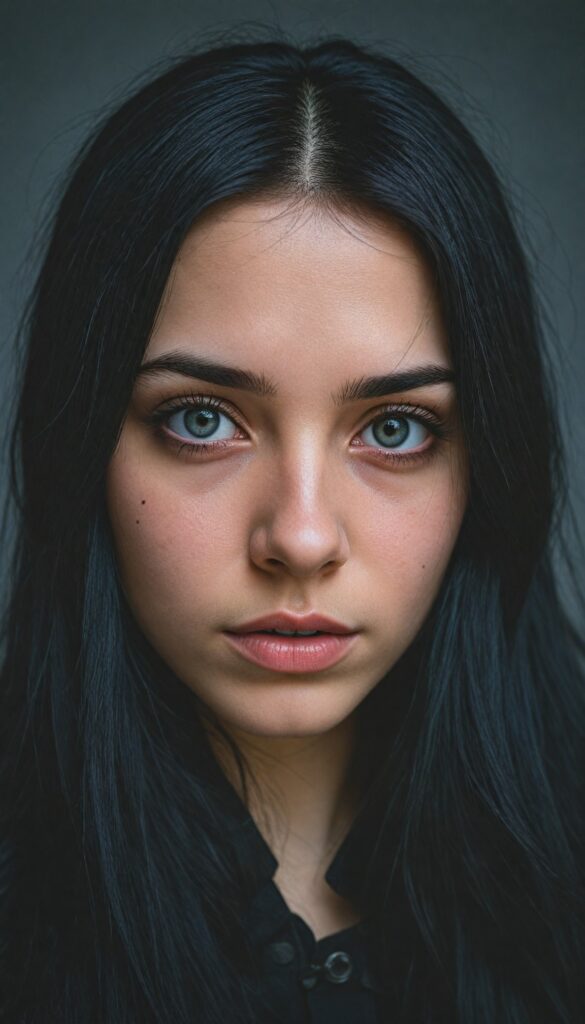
431,421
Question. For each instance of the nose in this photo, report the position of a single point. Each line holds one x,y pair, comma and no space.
299,529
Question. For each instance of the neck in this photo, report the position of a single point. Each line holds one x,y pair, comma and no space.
306,797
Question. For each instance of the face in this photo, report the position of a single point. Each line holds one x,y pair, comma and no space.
304,494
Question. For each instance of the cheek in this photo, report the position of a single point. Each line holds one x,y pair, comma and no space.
408,541
170,544
422,538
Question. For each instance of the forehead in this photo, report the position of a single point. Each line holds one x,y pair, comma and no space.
271,279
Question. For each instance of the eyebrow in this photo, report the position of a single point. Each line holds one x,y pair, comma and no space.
201,368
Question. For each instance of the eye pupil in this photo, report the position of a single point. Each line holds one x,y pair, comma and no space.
393,429
201,423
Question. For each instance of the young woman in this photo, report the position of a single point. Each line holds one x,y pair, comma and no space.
284,377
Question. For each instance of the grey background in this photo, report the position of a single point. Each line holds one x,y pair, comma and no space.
514,71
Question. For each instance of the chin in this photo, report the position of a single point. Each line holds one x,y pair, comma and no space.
289,715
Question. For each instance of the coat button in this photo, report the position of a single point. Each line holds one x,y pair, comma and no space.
281,952
338,967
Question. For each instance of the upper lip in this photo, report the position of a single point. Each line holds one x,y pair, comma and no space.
288,621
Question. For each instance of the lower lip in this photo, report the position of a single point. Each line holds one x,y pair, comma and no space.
288,654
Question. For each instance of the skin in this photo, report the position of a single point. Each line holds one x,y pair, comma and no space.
297,512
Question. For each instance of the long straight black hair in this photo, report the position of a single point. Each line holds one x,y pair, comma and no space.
119,897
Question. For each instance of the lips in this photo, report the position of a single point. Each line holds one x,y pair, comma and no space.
292,654
289,622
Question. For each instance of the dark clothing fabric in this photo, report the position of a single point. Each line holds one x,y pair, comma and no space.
303,980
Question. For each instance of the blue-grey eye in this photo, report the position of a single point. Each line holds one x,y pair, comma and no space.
393,431
200,424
